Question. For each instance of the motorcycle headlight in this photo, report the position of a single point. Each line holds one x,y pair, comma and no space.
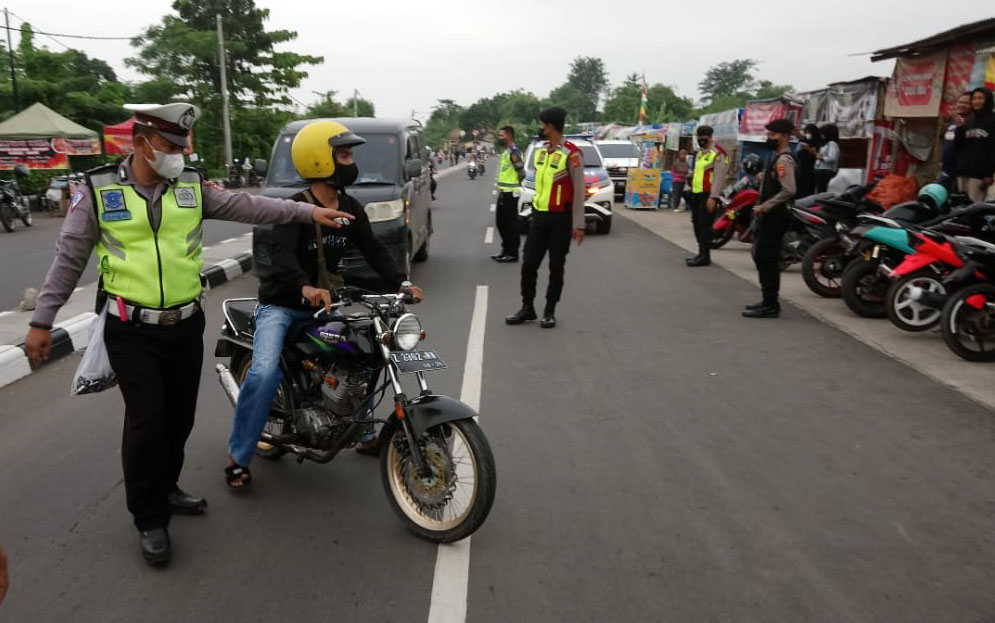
385,210
407,332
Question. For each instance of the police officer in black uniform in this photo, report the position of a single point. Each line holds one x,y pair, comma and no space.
773,218
145,218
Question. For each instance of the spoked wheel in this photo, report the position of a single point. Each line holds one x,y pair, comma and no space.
863,289
454,500
969,323
822,267
273,426
904,308
7,217
25,212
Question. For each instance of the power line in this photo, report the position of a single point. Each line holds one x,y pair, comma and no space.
54,34
33,31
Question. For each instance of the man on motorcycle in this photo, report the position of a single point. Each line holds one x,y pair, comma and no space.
301,278
772,218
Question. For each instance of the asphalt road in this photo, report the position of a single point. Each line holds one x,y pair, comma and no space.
659,459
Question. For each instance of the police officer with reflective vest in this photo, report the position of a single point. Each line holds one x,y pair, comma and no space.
557,215
710,166
772,218
145,218
511,172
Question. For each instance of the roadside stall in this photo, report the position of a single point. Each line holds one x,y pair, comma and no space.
752,127
928,77
40,138
726,125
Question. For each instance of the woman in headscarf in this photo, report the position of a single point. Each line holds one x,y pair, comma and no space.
975,143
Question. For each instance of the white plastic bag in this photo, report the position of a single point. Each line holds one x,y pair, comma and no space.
94,373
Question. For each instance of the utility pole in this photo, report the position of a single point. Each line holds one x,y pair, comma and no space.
355,102
225,121
10,53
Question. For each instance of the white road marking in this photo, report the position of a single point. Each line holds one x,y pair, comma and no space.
227,240
6,313
247,234
489,236
77,290
452,563
202,249
494,192
493,207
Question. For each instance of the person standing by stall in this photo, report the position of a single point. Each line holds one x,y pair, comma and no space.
828,159
772,217
678,175
975,140
948,162
706,186
808,152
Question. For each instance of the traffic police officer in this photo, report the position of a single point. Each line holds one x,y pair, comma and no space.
710,165
557,215
145,218
773,218
511,172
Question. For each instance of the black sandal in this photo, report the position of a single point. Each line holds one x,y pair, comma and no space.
234,473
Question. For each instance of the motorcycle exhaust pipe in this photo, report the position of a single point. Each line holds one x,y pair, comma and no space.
228,383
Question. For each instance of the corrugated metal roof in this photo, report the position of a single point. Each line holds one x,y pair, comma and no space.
954,35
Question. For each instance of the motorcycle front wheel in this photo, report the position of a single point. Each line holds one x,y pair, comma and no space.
908,314
822,267
863,289
969,323
7,218
721,236
453,502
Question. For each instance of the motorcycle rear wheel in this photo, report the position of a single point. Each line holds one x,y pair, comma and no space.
863,289
823,267
721,236
6,218
458,454
968,331
909,315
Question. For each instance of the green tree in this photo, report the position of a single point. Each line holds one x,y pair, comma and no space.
767,89
362,107
182,51
728,78
663,103
586,82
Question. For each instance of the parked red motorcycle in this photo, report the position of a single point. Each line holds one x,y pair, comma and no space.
737,206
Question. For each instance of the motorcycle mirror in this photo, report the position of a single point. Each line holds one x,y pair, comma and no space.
260,166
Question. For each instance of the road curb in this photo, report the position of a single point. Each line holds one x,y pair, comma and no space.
72,335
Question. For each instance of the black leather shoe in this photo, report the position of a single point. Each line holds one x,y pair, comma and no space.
764,311
756,305
523,315
156,548
182,503
548,321
698,261
504,259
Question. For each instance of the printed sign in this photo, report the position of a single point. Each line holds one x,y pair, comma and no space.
916,87
33,153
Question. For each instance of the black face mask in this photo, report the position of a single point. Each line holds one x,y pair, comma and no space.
344,175
772,143
542,134
703,142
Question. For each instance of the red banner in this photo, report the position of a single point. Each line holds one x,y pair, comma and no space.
916,87
756,115
34,153
77,147
958,78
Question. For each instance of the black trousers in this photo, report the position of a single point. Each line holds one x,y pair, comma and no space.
822,179
158,369
769,236
548,231
506,219
702,222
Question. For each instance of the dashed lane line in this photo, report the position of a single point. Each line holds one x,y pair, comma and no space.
489,235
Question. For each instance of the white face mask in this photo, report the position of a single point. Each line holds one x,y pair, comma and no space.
169,166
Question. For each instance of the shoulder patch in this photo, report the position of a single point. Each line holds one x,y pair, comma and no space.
780,168
77,197
575,159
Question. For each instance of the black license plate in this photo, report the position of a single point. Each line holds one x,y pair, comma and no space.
409,362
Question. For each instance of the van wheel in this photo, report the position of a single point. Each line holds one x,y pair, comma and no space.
422,254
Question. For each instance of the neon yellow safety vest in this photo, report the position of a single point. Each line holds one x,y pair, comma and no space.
704,168
554,189
507,174
150,268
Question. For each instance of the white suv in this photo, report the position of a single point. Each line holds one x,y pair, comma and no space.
598,187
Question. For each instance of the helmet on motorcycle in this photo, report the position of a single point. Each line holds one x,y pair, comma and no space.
752,164
933,195
313,146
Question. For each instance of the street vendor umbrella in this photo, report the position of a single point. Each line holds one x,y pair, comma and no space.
40,121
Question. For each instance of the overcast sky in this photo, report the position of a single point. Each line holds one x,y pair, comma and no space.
405,55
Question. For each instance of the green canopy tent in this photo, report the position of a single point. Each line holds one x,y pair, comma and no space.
42,138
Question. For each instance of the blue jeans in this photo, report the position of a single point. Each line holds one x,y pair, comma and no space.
256,395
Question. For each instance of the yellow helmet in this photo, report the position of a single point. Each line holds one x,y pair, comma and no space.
313,146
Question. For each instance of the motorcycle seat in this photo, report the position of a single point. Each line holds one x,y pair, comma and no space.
241,313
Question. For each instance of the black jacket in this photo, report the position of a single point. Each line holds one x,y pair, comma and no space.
975,143
295,255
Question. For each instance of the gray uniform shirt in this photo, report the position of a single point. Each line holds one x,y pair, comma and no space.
80,231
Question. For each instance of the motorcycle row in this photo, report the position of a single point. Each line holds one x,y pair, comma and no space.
920,263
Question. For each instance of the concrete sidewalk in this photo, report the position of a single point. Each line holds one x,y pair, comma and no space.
924,352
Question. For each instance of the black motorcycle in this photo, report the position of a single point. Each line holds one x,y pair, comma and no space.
436,465
12,204
235,179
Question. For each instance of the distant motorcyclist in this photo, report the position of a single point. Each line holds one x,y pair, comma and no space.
302,275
